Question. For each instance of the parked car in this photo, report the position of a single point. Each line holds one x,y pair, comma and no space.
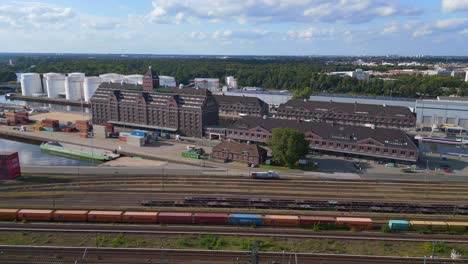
447,170
391,165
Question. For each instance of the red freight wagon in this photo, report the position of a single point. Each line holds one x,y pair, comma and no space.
175,218
8,214
9,166
354,222
316,220
70,215
140,217
210,218
105,216
281,220
35,215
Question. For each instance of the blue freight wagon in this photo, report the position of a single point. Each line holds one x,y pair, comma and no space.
245,219
139,133
398,225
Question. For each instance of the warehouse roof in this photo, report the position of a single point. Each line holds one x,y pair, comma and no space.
244,100
239,148
348,108
130,94
345,133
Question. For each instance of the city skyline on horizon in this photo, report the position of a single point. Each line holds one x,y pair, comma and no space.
244,28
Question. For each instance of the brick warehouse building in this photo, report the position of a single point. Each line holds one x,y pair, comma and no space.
238,106
241,152
183,110
348,113
358,141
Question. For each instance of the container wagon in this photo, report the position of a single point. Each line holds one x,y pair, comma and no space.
210,218
355,222
398,225
34,215
8,214
175,218
70,216
245,219
105,216
307,221
140,217
281,220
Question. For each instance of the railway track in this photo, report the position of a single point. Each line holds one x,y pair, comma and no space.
229,231
81,255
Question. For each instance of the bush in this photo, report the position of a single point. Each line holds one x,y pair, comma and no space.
385,229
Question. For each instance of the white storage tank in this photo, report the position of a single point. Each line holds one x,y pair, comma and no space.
30,84
55,84
134,79
78,74
74,87
112,77
90,86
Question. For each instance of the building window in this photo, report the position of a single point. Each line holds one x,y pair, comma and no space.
403,152
385,150
411,153
394,151
377,149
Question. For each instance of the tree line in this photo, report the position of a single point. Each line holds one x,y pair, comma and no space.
302,75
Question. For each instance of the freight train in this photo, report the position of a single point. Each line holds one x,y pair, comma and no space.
221,219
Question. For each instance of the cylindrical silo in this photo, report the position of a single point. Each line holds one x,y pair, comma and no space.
79,74
112,77
55,84
74,87
90,86
30,84
134,79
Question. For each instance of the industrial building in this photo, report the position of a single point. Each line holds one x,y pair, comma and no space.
238,106
347,113
167,81
273,99
211,84
231,82
241,152
345,140
443,110
186,110
358,74
362,99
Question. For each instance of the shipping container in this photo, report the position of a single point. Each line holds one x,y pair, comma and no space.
429,225
105,216
398,225
281,220
10,167
140,217
174,218
210,218
34,215
8,214
70,215
245,219
139,133
457,226
316,220
110,127
354,222
49,129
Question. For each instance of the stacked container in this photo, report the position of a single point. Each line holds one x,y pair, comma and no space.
50,125
17,117
135,141
100,131
9,166
82,125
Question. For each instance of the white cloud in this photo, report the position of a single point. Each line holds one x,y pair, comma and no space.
312,33
271,11
454,5
35,15
229,35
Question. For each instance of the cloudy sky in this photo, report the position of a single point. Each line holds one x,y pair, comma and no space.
236,27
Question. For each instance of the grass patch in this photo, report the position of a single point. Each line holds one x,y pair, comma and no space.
215,242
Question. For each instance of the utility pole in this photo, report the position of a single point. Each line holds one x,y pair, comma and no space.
254,253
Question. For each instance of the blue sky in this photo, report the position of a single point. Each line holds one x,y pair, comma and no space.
236,27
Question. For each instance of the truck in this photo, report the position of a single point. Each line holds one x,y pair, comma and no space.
264,175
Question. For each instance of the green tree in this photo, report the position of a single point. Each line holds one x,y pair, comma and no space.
288,146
